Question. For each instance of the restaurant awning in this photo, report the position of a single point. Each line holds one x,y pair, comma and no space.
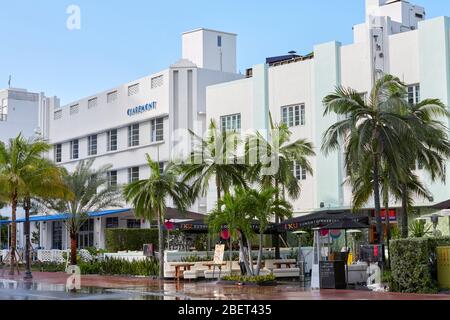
320,219
442,206
200,226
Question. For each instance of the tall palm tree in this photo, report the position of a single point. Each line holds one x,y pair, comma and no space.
214,158
149,198
263,206
272,161
371,130
45,181
17,162
90,192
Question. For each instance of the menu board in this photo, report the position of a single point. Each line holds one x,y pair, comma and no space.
332,275
218,253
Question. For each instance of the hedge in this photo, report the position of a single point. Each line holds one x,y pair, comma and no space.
413,264
130,239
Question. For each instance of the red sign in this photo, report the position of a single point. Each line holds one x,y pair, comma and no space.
169,225
375,251
225,234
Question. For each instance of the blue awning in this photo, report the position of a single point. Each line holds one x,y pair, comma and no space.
65,216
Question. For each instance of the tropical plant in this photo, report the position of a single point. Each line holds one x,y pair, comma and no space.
272,161
214,157
20,175
371,132
150,197
419,229
231,213
90,192
263,206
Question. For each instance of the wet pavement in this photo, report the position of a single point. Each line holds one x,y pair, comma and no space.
51,286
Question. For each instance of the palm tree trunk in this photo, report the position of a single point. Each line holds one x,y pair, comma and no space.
28,274
12,251
404,213
218,188
161,246
388,228
276,236
241,249
73,248
250,258
260,251
376,197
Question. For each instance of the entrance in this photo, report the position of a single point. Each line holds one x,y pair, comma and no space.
86,235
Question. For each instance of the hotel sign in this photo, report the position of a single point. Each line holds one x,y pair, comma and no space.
141,109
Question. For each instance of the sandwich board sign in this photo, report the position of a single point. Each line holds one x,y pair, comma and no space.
218,253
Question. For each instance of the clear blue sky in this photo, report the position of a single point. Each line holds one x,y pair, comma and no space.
120,40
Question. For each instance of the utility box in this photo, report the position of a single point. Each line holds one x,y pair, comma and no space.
443,266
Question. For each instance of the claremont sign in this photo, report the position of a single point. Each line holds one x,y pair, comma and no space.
141,109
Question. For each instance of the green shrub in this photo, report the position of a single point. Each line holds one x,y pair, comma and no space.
130,239
48,267
251,279
413,264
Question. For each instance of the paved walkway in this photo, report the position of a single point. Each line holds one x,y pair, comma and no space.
52,286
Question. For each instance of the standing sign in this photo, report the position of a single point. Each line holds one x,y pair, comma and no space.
218,253
149,250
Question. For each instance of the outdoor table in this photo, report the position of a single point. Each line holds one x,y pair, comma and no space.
214,265
179,267
287,264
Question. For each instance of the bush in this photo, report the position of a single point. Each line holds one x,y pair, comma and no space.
251,279
413,264
130,239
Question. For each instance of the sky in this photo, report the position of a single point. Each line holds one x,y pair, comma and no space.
119,41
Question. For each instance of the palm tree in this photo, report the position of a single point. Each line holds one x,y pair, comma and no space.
371,130
264,207
272,161
18,161
149,198
91,192
232,212
214,158
45,181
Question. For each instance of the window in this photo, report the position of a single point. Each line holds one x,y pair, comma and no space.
111,140
74,149
112,223
133,135
294,116
4,110
157,127
92,103
57,232
219,41
57,115
111,97
133,174
74,109
414,94
231,122
134,89
58,153
161,167
299,172
157,81
133,224
92,145
112,179
86,235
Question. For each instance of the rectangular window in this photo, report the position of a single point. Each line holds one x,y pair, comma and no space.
57,115
4,110
231,122
112,223
161,167
57,232
134,89
112,179
111,140
86,235
157,129
111,97
133,224
133,135
58,153
299,172
157,81
92,145
294,116
74,149
92,103
74,109
219,41
414,94
133,174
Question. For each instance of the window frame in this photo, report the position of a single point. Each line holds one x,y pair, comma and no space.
109,139
294,115
92,145
133,135
133,174
58,153
231,122
157,130
73,143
